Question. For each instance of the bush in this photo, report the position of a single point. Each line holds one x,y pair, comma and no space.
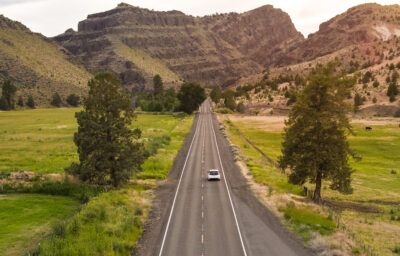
73,100
56,102
397,114
397,249
59,229
241,108
78,191
155,143
30,103
224,111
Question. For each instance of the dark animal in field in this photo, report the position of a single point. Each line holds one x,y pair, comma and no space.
368,128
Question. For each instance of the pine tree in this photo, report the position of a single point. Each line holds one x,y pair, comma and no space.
8,95
109,151
315,146
158,87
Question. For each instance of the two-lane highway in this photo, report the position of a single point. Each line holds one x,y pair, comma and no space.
202,219
216,218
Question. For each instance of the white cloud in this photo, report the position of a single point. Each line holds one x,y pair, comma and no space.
52,17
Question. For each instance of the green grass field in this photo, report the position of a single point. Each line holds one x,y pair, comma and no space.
376,179
26,218
42,141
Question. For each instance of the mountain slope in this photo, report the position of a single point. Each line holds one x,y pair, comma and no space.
38,65
213,50
360,25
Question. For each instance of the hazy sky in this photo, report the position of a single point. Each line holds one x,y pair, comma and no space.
52,17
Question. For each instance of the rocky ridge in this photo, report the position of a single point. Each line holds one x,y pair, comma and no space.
212,50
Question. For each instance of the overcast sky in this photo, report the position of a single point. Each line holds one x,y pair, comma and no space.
53,17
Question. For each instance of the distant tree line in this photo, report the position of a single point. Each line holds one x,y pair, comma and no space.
8,99
187,99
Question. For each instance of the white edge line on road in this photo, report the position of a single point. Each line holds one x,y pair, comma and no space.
177,189
227,189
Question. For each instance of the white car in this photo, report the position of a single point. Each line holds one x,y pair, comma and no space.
213,174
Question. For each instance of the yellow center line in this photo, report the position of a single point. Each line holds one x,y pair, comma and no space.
202,239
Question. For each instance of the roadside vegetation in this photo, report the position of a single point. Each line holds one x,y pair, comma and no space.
26,218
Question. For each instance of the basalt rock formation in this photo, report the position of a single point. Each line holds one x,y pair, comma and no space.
214,50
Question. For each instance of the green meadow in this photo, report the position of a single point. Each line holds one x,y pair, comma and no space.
376,180
25,218
42,141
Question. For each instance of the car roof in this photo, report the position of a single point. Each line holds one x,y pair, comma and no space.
213,170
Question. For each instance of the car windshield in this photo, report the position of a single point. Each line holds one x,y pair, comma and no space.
213,172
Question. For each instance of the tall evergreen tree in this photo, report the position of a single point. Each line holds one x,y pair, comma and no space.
315,146
8,95
191,95
158,87
109,151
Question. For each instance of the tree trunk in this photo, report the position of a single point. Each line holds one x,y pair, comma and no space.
317,193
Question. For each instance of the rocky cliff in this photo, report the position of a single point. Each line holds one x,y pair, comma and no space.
213,50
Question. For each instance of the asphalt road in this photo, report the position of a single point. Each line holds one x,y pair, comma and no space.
194,216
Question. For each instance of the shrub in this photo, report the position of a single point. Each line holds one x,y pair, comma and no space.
59,229
397,114
30,103
241,108
73,100
224,111
56,102
397,249
78,191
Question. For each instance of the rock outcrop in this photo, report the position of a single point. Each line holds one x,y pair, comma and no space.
213,50
362,24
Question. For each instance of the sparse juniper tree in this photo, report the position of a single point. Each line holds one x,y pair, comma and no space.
158,87
109,151
56,101
8,95
315,147
191,95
